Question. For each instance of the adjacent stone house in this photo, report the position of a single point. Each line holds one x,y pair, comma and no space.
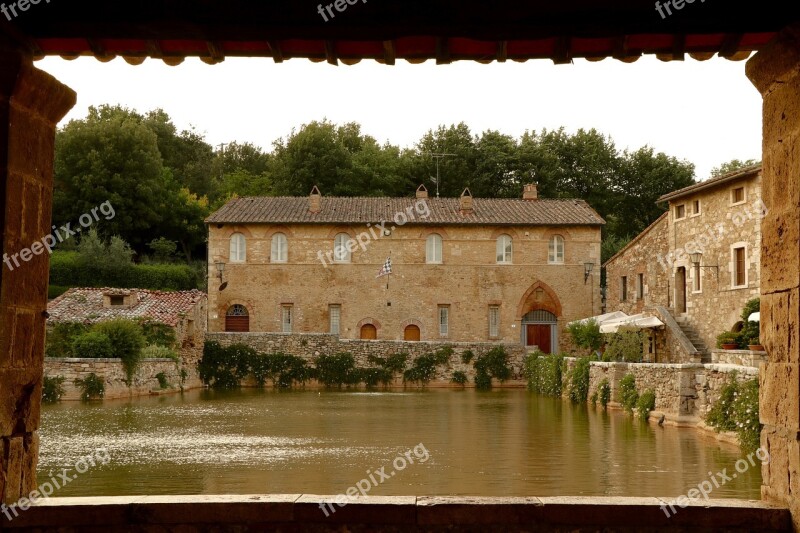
462,269
700,261
184,311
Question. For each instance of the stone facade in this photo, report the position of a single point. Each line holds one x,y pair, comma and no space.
468,282
715,218
113,375
310,346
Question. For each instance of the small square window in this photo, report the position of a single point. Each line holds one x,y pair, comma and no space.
696,207
680,211
117,301
737,195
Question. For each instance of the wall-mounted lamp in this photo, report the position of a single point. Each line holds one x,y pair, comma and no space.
587,271
220,271
697,257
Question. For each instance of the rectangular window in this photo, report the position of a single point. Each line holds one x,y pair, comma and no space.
335,314
286,318
640,287
696,207
680,211
117,301
739,267
624,289
737,195
697,285
494,320
444,320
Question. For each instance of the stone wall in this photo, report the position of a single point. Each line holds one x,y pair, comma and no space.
469,281
639,257
113,375
738,357
684,392
310,346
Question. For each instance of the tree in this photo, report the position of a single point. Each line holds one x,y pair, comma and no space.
732,165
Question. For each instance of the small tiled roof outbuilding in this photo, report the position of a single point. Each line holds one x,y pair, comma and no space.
443,211
86,305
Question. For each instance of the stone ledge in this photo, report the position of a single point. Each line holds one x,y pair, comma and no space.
297,512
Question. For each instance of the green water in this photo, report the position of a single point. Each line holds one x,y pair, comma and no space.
501,443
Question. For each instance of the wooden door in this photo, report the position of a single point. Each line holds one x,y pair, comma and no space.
369,332
680,290
411,333
539,335
237,323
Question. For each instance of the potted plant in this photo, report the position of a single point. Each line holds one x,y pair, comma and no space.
755,345
727,340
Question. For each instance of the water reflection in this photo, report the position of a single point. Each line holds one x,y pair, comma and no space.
501,443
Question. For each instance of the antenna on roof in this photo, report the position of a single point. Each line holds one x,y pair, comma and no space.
437,157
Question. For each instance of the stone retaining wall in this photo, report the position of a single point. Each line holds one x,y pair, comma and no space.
311,345
113,375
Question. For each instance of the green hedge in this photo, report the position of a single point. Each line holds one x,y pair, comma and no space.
67,270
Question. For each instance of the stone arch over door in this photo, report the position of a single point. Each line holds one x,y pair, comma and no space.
539,296
537,314
368,329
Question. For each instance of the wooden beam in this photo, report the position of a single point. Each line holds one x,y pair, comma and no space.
561,52
678,47
277,53
99,51
154,49
330,53
443,51
730,45
502,51
389,53
215,53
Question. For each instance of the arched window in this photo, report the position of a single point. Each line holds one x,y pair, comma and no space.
556,250
340,252
504,249
238,248
237,319
279,248
433,248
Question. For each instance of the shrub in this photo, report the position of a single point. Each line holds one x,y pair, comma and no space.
467,356
52,388
586,334
750,330
604,393
59,338
162,380
625,345
579,381
737,410
727,337
92,387
127,339
721,416
337,370
159,352
492,364
373,376
459,377
646,403
544,373
158,333
627,392
393,363
94,345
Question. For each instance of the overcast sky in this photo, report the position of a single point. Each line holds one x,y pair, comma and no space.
704,112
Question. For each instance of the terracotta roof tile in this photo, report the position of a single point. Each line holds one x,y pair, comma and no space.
443,211
86,305
711,182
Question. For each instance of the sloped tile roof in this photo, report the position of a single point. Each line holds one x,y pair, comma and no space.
86,305
741,173
443,211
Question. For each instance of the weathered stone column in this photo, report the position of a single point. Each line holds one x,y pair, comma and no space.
31,104
775,71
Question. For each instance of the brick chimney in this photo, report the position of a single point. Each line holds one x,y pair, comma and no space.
465,202
422,192
530,192
314,200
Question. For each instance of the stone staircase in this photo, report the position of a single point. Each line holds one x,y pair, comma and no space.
694,338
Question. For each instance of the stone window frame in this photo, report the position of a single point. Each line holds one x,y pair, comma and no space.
733,195
508,256
348,258
287,310
494,308
623,285
697,279
697,208
552,243
732,266
675,216
443,332
434,238
276,236
639,286
338,308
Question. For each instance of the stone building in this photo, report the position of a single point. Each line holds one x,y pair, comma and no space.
184,311
462,269
700,261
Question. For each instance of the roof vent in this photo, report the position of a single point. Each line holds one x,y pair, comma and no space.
530,192
422,192
314,200
465,202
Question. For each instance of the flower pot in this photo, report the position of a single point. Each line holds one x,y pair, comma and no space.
755,347
729,346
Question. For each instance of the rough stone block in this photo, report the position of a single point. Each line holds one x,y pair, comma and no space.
778,395
780,322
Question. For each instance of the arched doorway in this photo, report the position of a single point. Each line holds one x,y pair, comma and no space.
539,329
237,319
369,332
411,333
